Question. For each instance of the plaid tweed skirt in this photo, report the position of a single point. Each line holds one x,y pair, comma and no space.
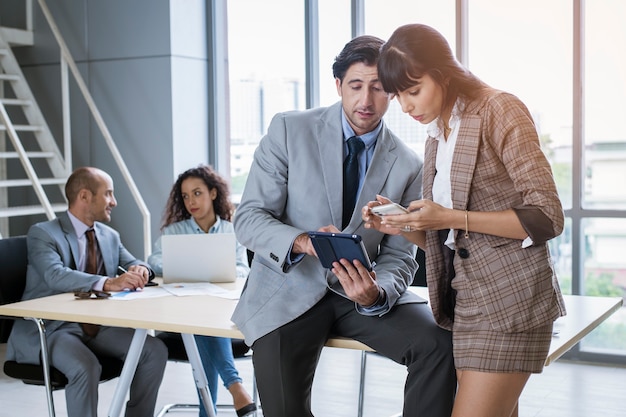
478,347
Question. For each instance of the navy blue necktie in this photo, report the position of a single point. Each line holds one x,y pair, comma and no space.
351,178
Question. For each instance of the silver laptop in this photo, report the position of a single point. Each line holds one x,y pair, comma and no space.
209,257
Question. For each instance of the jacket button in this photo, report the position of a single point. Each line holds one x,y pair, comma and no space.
463,253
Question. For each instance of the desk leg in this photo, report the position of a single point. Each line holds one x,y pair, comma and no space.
45,363
198,373
128,371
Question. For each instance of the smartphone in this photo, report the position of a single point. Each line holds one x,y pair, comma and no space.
391,208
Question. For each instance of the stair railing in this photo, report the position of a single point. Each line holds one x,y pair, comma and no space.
28,167
68,62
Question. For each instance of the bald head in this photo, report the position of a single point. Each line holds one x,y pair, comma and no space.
89,193
85,178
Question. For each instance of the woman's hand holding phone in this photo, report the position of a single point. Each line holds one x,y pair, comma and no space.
374,212
390,208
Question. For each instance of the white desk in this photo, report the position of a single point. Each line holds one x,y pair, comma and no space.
203,315
208,315
584,313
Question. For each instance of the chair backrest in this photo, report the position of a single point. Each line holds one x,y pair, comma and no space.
13,264
420,276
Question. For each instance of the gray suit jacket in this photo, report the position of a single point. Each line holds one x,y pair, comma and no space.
52,258
294,186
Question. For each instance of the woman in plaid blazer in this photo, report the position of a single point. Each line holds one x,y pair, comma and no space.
490,206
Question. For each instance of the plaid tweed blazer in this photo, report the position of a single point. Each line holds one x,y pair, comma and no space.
497,165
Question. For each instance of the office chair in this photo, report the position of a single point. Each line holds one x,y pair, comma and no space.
13,264
177,353
419,280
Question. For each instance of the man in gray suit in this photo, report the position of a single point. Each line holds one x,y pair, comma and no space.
57,257
291,304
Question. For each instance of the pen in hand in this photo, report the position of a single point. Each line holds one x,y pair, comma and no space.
121,271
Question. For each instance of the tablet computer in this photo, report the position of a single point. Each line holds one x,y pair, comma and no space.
331,247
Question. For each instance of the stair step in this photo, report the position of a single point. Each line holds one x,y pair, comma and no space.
22,128
15,102
9,77
44,151
25,182
32,155
29,210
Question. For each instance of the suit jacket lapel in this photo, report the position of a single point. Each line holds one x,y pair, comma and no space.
70,236
330,143
378,171
464,160
105,250
430,155
329,135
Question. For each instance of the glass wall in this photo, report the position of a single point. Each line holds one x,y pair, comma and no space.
527,47
534,64
266,71
603,192
381,19
605,105
333,14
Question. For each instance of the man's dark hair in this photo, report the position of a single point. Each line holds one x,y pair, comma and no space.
360,49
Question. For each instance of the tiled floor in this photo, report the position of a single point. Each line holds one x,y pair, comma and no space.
563,390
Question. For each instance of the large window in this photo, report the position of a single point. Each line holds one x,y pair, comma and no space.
333,14
603,193
381,20
536,66
605,105
526,47
266,71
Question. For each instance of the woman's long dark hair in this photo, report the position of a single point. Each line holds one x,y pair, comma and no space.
414,50
175,210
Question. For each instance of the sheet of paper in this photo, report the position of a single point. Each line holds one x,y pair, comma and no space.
147,292
201,288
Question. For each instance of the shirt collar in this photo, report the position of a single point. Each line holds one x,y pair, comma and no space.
212,229
369,138
79,227
435,128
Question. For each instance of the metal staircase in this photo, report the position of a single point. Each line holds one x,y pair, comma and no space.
32,168
28,147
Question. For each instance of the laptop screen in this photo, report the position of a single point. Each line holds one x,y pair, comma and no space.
210,257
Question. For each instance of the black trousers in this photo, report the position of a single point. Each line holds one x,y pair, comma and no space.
285,359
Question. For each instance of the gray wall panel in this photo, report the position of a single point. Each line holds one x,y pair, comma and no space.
134,98
69,17
145,62
128,28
